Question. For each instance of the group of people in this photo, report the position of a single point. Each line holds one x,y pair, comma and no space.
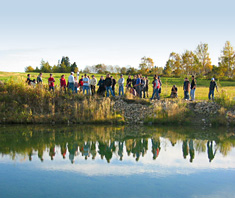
191,88
138,85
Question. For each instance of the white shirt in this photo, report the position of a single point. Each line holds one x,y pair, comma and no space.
121,82
71,79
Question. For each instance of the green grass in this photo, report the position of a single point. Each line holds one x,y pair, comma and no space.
228,86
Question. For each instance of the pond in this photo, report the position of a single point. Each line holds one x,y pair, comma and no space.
106,161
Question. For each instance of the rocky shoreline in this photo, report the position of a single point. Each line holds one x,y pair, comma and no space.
204,113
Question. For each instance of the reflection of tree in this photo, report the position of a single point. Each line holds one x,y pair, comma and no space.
200,145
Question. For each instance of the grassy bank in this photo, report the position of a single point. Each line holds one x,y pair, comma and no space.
20,103
201,92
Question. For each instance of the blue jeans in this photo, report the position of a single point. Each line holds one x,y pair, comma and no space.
71,86
192,94
138,90
155,91
186,95
87,88
211,92
51,88
107,90
121,89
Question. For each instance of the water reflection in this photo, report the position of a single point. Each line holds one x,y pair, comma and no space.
107,142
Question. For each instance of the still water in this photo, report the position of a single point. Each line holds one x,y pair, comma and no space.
103,161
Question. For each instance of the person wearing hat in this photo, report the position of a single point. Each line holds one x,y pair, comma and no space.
212,89
71,82
121,85
93,83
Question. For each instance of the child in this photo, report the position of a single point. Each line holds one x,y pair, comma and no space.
62,84
51,81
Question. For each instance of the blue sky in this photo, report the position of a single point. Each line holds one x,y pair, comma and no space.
110,32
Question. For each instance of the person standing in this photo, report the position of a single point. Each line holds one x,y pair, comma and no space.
147,86
113,84
212,87
134,82
143,86
101,84
160,86
62,84
39,79
93,83
121,85
71,82
128,82
81,84
28,79
75,85
138,85
193,88
85,85
186,88
156,86
108,85
51,81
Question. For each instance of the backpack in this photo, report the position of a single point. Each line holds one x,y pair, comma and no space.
158,84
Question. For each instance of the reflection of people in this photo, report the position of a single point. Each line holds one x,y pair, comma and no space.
30,154
40,154
155,147
86,150
120,150
52,151
72,148
93,150
185,148
63,150
109,151
191,150
211,154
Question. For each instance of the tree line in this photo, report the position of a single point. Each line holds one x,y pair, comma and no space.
64,66
197,63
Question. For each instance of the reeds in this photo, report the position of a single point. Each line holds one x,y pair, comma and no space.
21,103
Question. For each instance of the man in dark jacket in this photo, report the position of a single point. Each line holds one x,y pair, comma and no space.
113,84
212,88
108,85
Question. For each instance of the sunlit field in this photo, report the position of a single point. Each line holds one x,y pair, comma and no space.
201,92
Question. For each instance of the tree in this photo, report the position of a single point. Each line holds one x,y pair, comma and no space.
204,60
227,60
189,63
74,67
167,69
123,70
175,62
29,69
131,71
65,60
146,65
45,67
87,70
100,68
